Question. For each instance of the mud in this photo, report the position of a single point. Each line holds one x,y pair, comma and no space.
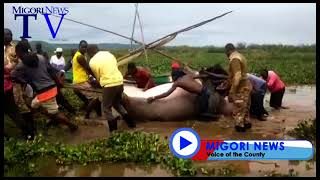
300,100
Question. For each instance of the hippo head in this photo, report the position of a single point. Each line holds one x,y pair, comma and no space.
221,87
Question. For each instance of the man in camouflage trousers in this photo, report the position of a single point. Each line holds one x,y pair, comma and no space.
240,90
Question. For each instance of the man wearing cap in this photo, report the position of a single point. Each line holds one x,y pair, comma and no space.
57,61
141,76
176,72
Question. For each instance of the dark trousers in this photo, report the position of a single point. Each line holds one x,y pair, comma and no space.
276,98
257,107
112,98
22,121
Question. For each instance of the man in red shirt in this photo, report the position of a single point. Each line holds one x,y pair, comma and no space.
141,76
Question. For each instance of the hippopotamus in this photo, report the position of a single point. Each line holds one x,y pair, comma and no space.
180,105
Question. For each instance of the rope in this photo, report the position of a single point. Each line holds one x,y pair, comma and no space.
136,41
67,85
151,45
98,28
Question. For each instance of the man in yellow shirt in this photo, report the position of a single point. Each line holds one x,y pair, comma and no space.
240,91
82,79
105,69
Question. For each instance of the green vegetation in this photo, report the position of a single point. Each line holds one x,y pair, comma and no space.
294,64
224,171
21,156
305,130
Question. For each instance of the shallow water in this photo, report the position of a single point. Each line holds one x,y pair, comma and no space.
301,103
102,170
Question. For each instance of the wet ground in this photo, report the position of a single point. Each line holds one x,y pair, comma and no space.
300,100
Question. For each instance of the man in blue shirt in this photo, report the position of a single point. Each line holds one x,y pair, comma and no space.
259,88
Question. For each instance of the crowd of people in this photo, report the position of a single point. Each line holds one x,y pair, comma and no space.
33,80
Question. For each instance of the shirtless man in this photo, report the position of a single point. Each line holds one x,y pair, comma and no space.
205,99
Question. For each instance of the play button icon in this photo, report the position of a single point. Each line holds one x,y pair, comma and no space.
184,143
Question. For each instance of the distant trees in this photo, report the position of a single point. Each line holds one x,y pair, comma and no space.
213,49
241,45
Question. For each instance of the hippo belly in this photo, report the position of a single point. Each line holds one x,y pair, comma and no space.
178,105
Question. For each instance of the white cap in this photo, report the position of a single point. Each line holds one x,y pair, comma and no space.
58,50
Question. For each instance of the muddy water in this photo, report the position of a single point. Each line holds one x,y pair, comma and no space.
102,170
301,103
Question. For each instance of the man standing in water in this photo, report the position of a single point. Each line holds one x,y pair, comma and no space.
35,70
83,79
104,67
240,91
275,86
259,87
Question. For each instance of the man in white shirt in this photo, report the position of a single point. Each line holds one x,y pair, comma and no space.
57,61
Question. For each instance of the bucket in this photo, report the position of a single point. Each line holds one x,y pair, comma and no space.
68,76
162,79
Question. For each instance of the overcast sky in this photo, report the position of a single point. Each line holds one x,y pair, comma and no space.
251,23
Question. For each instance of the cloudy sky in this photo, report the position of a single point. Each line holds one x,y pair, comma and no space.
250,23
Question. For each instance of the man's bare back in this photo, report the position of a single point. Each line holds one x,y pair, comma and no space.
189,84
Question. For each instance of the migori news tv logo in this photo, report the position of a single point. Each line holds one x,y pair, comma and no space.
34,13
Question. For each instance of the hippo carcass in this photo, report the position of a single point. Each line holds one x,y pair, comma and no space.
180,105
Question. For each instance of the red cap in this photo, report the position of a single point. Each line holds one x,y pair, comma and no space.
175,65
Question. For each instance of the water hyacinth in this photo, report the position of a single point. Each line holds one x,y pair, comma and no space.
136,147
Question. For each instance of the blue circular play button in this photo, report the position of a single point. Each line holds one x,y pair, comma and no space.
184,143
